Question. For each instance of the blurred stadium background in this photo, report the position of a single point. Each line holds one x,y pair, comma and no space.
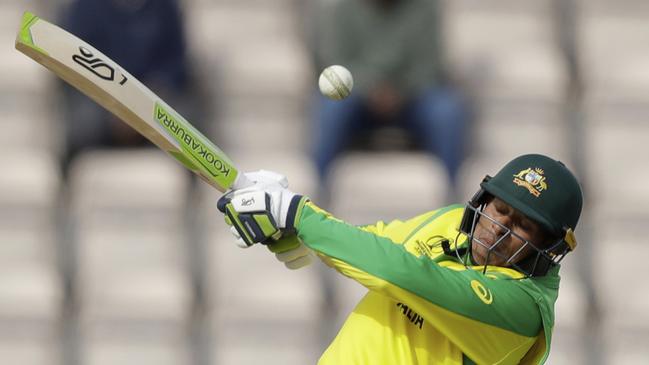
127,263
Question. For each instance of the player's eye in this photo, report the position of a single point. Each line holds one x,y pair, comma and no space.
502,208
526,225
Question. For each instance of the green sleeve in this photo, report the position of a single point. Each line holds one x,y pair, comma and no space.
381,265
398,231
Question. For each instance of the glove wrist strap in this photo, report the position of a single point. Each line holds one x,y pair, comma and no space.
294,212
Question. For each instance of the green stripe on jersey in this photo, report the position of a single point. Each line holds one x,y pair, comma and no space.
432,218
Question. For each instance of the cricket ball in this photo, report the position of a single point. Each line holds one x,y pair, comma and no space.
336,82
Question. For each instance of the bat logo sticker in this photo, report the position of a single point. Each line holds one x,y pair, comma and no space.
95,65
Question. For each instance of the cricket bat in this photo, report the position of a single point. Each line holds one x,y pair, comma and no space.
112,87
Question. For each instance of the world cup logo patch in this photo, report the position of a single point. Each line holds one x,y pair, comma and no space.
532,179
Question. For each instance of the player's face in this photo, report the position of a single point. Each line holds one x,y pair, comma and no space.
492,233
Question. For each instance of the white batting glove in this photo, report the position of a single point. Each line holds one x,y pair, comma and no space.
267,177
255,211
275,185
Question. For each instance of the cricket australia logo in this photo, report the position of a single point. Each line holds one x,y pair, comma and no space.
532,179
97,66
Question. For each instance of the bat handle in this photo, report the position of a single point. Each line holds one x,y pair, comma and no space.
241,181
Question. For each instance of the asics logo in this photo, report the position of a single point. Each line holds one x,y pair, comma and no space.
483,293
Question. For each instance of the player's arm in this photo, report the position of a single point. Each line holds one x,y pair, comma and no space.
260,214
494,316
463,304
397,230
369,255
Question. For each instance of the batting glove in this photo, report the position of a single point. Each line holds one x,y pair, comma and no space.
248,212
289,250
263,212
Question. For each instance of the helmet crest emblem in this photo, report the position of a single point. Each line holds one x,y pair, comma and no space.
532,179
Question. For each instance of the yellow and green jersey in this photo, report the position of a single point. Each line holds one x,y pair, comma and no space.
424,306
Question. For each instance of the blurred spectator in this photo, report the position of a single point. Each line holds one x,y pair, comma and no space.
394,50
146,38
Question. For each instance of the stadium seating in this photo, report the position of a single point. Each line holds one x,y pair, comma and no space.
127,228
156,276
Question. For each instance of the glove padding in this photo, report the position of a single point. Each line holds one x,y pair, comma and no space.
288,250
249,213
291,252
262,212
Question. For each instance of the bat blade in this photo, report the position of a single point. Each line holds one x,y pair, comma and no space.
112,87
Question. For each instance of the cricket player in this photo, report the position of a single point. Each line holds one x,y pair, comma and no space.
472,284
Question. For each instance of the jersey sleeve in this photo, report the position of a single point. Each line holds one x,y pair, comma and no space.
397,230
491,318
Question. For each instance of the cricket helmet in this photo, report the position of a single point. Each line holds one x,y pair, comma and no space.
545,191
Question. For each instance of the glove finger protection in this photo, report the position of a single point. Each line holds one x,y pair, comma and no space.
239,241
264,212
248,211
276,185
288,250
292,252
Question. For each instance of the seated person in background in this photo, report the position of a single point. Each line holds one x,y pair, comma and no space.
393,49
145,37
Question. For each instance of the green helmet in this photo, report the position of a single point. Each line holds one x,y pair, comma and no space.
543,189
